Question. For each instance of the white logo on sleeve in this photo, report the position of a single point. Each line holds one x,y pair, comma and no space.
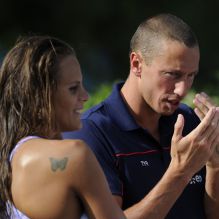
144,163
196,179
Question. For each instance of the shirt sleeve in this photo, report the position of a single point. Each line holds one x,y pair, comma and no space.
97,141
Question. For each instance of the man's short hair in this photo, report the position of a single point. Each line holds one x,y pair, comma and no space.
153,31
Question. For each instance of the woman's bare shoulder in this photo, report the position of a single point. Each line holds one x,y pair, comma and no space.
49,158
37,150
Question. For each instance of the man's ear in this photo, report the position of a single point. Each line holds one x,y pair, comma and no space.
135,63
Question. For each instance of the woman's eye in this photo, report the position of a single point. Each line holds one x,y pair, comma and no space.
73,89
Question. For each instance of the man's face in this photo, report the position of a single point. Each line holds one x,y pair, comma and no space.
167,79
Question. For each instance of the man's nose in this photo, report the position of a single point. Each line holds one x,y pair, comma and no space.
181,88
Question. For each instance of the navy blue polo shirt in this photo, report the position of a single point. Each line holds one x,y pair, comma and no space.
132,160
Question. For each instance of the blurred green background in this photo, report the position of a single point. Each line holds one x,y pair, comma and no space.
100,31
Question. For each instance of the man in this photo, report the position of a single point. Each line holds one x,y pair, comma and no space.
159,159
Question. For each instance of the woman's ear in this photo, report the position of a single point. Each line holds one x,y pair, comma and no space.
135,64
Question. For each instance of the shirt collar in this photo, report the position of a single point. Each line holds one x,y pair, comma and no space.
118,110
121,116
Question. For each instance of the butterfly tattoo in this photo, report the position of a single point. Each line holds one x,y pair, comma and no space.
58,163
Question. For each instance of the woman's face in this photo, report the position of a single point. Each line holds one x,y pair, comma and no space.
70,95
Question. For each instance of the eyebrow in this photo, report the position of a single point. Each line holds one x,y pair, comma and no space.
74,83
181,72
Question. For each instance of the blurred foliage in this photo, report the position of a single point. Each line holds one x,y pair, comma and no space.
100,94
104,90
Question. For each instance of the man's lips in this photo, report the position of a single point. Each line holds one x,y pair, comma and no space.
174,102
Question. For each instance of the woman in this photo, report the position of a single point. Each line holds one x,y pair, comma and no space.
41,95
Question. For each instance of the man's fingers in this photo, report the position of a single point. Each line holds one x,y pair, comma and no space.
215,132
200,104
215,127
199,113
207,125
178,128
203,102
206,100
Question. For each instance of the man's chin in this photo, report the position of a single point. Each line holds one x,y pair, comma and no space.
169,109
168,112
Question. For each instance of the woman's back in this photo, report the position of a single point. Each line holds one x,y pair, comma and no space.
42,178
55,178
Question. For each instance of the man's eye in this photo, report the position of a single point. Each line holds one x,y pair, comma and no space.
173,74
192,75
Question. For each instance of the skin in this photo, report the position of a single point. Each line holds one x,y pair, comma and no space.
70,96
171,75
52,178
203,104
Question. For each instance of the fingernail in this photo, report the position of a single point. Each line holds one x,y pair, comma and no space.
204,94
198,96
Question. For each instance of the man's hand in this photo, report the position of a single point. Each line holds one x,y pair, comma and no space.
190,153
203,104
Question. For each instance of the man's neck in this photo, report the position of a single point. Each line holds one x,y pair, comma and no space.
143,114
